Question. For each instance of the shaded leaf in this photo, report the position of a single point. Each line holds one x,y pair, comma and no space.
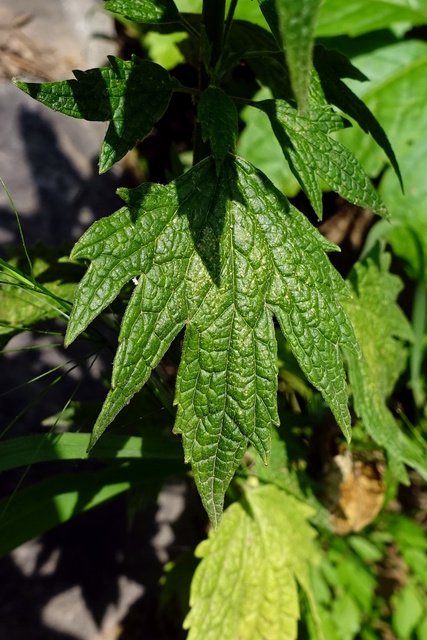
32,511
217,114
132,95
245,586
221,255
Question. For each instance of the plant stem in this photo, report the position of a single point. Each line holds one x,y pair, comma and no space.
213,26
213,21
229,20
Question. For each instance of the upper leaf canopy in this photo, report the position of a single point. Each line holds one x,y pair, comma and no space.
292,23
132,95
145,11
221,255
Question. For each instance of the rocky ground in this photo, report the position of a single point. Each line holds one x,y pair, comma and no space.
95,577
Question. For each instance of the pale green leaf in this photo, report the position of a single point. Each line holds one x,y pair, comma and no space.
220,255
145,11
245,586
313,154
355,17
292,22
132,95
217,114
383,332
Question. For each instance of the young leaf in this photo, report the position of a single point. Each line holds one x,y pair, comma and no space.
381,329
292,22
313,154
245,586
145,11
331,67
221,255
132,95
218,118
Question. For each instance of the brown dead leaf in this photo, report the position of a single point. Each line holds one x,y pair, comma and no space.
353,492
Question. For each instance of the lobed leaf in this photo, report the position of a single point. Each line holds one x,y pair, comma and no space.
313,154
220,255
245,586
145,11
382,331
217,114
132,95
292,23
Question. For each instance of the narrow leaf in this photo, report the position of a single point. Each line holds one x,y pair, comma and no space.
220,255
145,11
32,511
22,303
132,95
245,586
218,117
313,154
292,22
18,452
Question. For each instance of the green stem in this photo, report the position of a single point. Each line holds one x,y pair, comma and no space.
229,21
213,25
213,21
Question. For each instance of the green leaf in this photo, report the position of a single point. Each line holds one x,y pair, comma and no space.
245,586
258,144
220,255
145,11
382,331
313,154
346,616
292,22
22,303
355,17
408,610
31,511
332,66
132,95
395,94
217,114
18,452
